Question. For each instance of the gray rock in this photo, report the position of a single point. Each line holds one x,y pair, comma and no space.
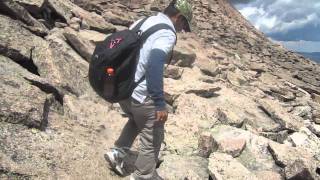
94,21
234,146
228,117
279,137
60,25
173,72
280,116
223,166
66,10
75,20
92,36
194,167
303,111
117,19
182,57
81,45
18,11
295,160
69,65
33,6
84,25
268,175
75,26
298,170
209,68
255,156
205,93
305,139
170,98
206,144
315,129
93,6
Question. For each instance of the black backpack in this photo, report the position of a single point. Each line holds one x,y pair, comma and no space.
114,62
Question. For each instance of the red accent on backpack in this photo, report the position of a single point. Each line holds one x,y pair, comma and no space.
115,42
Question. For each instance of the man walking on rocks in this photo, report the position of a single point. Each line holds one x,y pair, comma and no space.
146,108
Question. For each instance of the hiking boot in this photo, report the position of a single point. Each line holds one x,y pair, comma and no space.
115,161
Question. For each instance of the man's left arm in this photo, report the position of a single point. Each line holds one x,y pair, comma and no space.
159,53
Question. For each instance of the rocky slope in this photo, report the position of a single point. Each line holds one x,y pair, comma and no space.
241,107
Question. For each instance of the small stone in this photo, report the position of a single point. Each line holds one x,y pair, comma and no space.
75,20
303,111
84,25
205,93
226,116
315,129
316,98
75,26
234,147
298,139
206,144
34,131
60,25
173,72
183,57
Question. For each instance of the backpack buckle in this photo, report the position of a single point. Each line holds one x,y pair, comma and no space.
139,32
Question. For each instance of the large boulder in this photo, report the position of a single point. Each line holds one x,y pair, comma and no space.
22,102
54,60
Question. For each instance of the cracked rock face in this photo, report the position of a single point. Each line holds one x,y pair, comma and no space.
22,102
240,106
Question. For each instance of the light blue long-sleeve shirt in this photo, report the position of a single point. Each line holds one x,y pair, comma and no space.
153,55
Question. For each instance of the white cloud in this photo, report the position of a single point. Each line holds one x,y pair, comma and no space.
301,46
281,17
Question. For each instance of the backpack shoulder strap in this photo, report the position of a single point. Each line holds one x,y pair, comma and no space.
154,29
148,33
138,26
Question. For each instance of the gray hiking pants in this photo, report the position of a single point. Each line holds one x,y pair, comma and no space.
142,121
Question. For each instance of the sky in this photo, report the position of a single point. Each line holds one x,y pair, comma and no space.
293,23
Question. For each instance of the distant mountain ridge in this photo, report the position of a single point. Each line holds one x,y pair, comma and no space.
313,55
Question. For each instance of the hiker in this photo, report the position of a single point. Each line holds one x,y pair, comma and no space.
146,108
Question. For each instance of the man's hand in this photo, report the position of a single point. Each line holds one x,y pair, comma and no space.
162,116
